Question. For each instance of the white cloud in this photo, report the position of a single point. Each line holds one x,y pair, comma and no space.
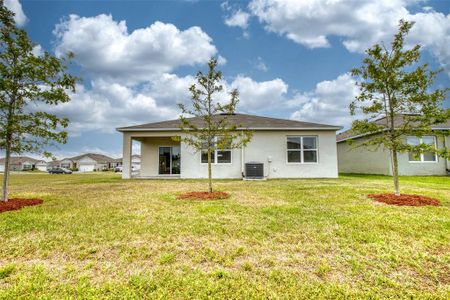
37,50
108,105
256,96
105,47
359,23
328,103
260,65
238,18
16,8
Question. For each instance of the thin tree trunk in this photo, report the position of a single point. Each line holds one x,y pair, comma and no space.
210,189
6,171
395,171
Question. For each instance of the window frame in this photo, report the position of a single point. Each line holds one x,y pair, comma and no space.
422,161
302,150
214,158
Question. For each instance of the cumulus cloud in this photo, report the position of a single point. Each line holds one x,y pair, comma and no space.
107,105
238,18
360,23
328,103
257,96
16,8
105,47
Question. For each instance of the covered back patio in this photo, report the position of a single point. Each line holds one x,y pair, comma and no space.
160,155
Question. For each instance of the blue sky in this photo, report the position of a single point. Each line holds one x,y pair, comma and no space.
288,59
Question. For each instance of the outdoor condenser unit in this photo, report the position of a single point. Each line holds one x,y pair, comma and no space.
254,170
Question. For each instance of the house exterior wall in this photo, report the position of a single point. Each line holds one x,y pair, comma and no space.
41,166
264,144
149,165
362,160
273,144
407,168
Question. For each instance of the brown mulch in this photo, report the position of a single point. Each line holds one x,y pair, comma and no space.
18,203
203,196
405,199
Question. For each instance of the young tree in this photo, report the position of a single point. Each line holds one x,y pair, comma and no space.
393,85
214,131
26,79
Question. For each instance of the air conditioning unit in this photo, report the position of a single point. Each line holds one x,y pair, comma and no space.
254,170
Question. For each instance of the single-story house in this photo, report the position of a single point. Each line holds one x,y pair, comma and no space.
279,149
41,165
88,162
135,162
377,160
20,163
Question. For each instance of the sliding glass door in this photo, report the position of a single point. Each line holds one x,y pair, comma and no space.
169,160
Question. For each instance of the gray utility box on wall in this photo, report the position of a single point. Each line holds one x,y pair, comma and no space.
254,170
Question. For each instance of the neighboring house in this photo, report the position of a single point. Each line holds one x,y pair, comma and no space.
53,164
88,162
41,165
135,162
286,148
377,160
19,163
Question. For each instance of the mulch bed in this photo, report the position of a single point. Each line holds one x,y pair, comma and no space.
405,199
203,196
18,203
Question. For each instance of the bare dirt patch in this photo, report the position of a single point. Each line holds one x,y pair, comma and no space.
18,203
404,200
203,196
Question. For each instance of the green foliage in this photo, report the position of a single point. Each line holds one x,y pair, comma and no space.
29,82
393,85
215,129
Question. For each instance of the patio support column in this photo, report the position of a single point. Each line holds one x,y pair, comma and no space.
126,158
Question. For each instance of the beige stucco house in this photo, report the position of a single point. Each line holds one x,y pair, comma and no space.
377,160
23,163
282,148
88,162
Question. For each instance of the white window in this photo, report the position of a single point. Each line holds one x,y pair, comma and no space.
302,149
422,156
219,156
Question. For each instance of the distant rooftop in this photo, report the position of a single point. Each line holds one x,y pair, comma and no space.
242,120
398,121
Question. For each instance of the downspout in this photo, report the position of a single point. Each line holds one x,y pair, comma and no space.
446,159
242,161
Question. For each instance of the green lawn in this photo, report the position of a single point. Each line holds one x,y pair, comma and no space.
97,236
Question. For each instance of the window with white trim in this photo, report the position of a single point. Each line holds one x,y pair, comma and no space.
422,156
219,156
302,149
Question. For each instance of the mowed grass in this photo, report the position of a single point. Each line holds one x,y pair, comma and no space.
97,236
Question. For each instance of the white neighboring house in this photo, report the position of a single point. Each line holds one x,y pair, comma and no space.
135,162
41,165
22,163
279,149
88,162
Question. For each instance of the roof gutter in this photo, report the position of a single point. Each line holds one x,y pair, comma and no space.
126,129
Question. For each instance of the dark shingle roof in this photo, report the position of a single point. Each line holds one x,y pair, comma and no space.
15,160
398,121
244,121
